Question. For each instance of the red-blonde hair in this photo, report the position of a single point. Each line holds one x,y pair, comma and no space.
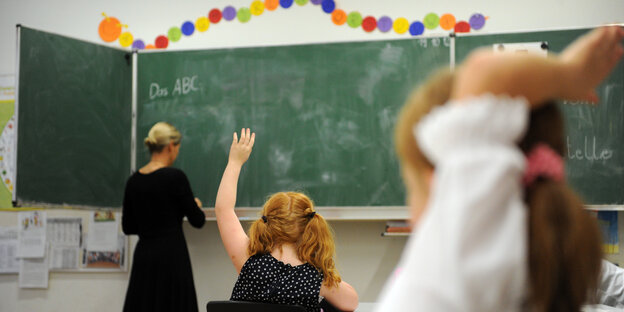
291,218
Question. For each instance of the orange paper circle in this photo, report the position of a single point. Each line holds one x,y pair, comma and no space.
339,17
110,29
447,21
271,4
150,46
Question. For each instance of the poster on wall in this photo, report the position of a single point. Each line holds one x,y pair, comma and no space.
7,140
64,236
32,234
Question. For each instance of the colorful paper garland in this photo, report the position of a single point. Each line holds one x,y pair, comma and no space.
110,29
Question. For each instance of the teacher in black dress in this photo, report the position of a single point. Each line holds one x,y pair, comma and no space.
156,200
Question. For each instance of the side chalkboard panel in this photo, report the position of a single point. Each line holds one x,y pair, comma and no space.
323,114
595,134
74,125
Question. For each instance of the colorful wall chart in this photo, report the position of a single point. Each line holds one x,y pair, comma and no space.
7,140
111,29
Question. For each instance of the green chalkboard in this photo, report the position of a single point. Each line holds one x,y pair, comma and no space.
595,135
74,121
324,115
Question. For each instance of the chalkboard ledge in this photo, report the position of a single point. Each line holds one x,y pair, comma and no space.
343,213
605,207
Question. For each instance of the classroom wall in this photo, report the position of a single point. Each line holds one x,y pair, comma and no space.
364,257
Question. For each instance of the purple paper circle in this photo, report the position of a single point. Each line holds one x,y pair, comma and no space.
229,13
188,28
477,21
317,2
384,23
328,6
138,44
286,3
417,28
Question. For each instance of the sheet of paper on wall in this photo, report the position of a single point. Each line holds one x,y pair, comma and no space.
33,273
32,234
103,231
105,260
64,231
537,48
64,239
64,258
8,250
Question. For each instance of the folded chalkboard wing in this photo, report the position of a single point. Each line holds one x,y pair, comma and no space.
244,306
75,112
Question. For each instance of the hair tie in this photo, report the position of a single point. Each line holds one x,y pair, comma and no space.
311,214
264,218
543,161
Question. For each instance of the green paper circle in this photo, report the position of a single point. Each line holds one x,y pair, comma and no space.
301,2
431,21
174,34
243,15
354,19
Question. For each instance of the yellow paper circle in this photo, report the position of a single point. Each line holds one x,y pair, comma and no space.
125,40
202,24
401,25
256,8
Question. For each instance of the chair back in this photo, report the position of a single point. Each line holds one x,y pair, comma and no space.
244,306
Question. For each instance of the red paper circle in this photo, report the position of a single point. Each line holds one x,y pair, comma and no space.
369,24
462,27
162,42
214,16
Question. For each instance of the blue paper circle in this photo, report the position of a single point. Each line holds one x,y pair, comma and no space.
328,6
417,28
286,3
188,28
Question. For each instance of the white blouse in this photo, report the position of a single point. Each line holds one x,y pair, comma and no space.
469,250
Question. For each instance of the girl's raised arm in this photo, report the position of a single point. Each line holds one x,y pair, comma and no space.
234,238
571,75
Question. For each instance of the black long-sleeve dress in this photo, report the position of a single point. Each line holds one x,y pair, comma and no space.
154,206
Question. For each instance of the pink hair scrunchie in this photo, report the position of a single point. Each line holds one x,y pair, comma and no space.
543,161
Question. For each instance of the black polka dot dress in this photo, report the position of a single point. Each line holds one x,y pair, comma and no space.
266,279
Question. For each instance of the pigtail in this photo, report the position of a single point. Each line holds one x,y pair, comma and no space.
564,248
564,240
260,241
317,247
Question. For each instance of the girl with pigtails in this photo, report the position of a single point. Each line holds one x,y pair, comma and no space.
288,256
496,226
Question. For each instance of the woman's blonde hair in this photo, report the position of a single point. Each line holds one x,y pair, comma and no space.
289,217
564,253
161,134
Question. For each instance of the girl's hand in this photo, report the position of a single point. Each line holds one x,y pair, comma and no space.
241,149
198,202
589,60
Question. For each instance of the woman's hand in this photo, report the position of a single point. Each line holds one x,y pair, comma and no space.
589,60
241,149
198,202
